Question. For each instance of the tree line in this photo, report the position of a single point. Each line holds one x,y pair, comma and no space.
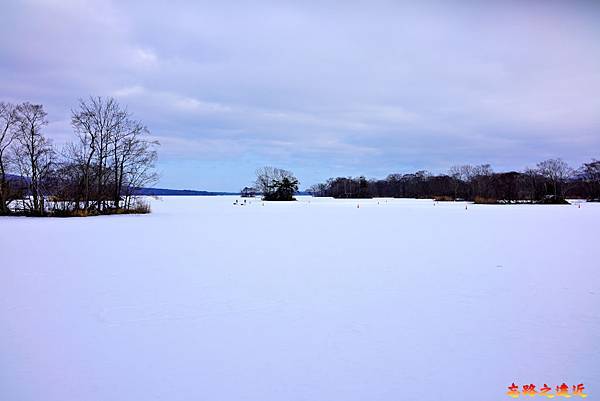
551,181
98,172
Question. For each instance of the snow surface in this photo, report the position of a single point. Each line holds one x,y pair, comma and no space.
311,300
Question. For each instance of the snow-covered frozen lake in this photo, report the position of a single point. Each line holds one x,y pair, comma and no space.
316,300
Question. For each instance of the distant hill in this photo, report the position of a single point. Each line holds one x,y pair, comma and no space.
178,192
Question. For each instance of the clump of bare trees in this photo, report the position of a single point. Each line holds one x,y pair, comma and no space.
97,173
276,184
551,181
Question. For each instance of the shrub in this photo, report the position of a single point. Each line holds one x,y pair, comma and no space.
552,200
480,200
140,207
443,198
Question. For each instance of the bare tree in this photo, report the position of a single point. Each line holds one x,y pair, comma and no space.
456,173
557,172
464,174
8,122
480,179
34,152
532,178
86,128
114,152
135,162
99,124
264,179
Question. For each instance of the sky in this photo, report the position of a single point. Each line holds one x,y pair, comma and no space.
321,88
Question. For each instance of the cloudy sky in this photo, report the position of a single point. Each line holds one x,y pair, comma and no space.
322,88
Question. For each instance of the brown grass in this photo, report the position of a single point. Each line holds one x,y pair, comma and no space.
485,201
443,198
139,208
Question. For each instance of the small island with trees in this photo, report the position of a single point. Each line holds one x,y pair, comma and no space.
276,184
98,172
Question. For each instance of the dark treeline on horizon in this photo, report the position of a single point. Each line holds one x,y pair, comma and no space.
110,156
551,181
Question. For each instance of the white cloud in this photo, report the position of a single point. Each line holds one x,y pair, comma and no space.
145,57
128,91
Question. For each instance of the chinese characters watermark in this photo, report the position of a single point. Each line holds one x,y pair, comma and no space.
546,391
